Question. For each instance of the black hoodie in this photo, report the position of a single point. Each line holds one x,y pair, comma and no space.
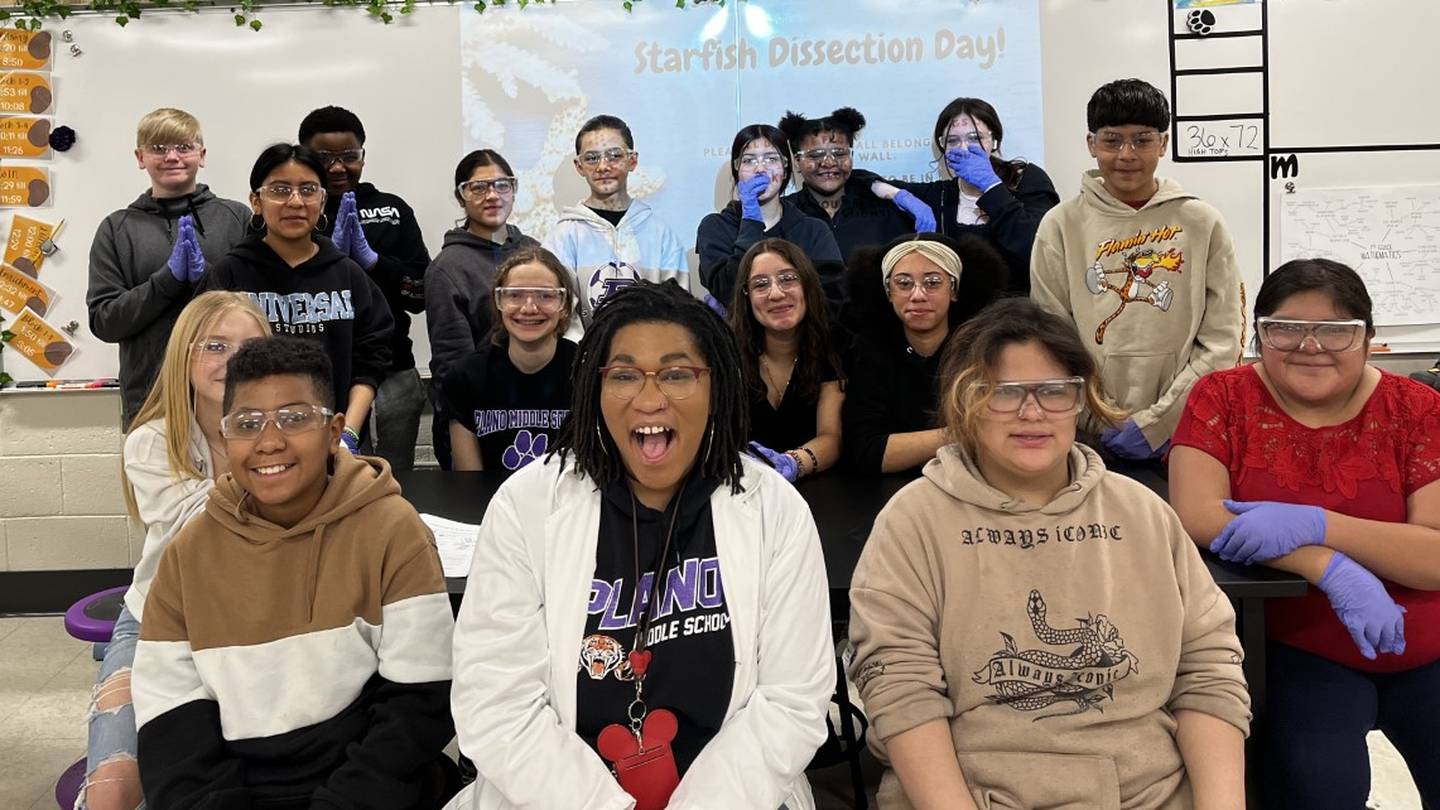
390,228
723,238
863,220
133,298
326,298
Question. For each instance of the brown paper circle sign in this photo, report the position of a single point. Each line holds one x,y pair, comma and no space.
40,45
39,192
57,352
25,265
40,99
39,135
36,303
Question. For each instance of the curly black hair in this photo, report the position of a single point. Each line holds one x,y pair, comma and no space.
845,121
279,355
983,279
583,436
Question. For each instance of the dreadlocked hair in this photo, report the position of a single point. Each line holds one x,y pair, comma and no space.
584,436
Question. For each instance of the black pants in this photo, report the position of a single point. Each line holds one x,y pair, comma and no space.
1318,715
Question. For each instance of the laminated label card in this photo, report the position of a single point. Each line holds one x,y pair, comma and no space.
22,251
18,291
24,186
39,342
24,49
25,93
24,137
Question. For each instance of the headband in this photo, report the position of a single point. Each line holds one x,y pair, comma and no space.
942,256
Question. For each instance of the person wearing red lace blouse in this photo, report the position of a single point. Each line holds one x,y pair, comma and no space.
1314,462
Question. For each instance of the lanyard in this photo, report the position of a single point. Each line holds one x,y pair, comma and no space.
639,657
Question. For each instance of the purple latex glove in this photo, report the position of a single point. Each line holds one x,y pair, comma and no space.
1264,530
919,211
340,235
184,249
1129,442
352,240
782,462
714,304
972,164
1359,599
351,440
750,191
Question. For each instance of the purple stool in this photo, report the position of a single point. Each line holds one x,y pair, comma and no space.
91,619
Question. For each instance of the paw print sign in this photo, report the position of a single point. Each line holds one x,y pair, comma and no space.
526,448
644,764
1200,21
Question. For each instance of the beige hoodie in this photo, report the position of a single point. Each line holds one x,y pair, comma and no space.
1155,293
1056,640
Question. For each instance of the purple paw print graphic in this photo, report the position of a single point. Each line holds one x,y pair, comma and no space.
527,448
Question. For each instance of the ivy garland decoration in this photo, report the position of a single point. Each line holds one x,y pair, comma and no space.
30,15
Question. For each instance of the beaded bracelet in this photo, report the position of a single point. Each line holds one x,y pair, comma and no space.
814,462
799,464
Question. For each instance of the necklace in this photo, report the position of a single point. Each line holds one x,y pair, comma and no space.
775,386
639,656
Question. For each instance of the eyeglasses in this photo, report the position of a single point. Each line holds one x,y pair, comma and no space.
835,153
513,299
675,382
613,155
760,285
964,139
282,192
291,420
1053,396
930,284
161,150
215,349
348,156
771,160
1142,143
480,189
1288,335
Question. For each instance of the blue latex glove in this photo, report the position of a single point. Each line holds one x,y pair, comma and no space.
183,250
1129,442
340,235
750,191
356,246
351,440
919,211
714,304
783,463
972,164
1359,599
196,260
1264,530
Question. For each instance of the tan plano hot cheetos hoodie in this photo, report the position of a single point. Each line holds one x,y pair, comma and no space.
1056,640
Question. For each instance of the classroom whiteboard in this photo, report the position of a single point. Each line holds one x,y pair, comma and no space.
1317,93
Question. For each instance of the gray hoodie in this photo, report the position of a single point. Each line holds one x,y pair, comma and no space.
458,286
133,298
1056,640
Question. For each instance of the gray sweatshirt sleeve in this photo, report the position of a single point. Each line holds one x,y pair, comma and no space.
119,311
446,318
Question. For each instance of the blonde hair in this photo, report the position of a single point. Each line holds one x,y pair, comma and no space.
172,398
168,125
972,352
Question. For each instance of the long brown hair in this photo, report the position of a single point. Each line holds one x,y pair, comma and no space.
816,349
972,352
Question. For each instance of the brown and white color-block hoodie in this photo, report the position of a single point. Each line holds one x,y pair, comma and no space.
307,666
1056,640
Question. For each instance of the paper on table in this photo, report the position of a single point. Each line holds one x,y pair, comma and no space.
456,542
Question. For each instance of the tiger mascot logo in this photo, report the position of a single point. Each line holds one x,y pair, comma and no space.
602,655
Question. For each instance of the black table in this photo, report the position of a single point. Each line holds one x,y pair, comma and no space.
845,506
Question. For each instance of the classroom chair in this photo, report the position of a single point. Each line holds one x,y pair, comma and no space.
91,619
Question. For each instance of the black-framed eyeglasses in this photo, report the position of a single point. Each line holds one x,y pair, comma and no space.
760,285
513,299
611,155
291,420
1053,396
835,153
930,284
1290,334
282,192
347,157
675,382
480,189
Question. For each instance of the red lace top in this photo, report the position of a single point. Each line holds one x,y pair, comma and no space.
1365,467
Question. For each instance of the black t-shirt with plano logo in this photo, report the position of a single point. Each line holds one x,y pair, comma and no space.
693,664
515,415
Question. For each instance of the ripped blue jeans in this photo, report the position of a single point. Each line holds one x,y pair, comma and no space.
112,731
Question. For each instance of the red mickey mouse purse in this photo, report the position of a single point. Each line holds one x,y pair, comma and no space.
644,764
